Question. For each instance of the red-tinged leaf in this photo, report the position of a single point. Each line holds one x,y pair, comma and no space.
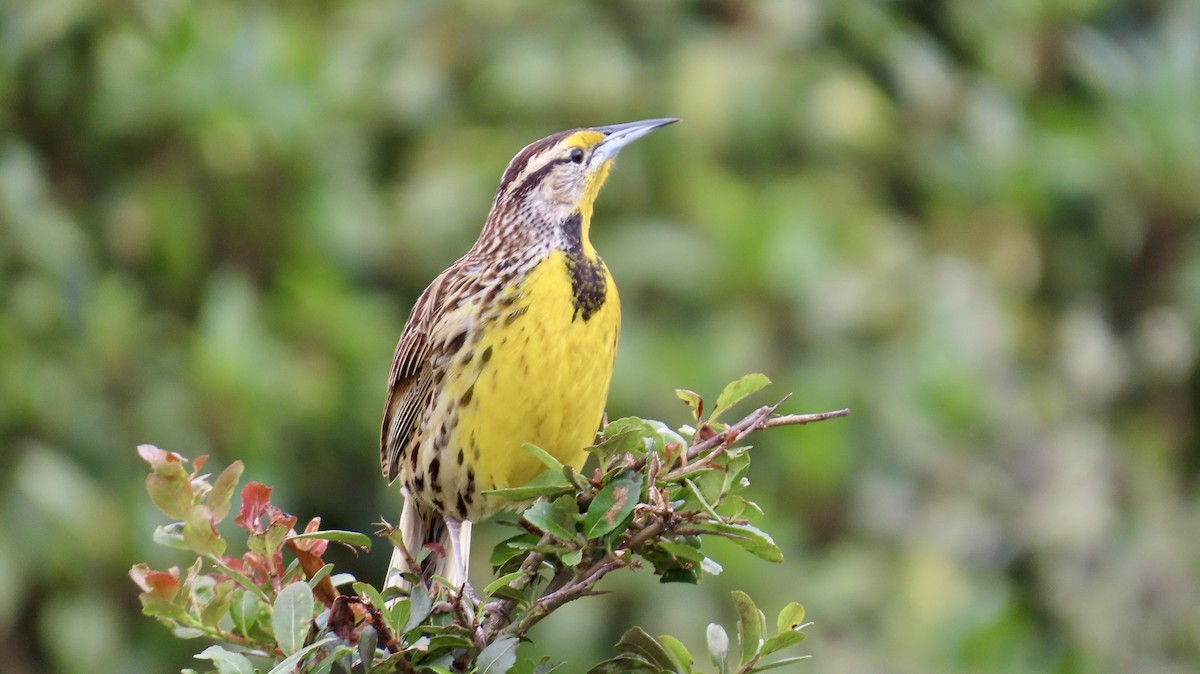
254,565
256,499
273,540
168,483
165,584
197,464
351,539
162,461
159,591
693,400
312,564
222,490
314,546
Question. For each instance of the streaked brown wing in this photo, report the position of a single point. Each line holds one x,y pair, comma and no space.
410,382
415,366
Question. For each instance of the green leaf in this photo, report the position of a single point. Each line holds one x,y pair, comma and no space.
748,537
552,518
367,639
239,577
420,606
680,656
572,558
734,468
436,666
750,625
181,632
612,505
200,534
543,456
709,482
498,657
782,640
245,611
219,605
508,550
548,483
693,400
547,665
736,392
273,539
332,656
369,591
320,575
171,536
682,551
680,575
169,485
626,664
637,642
666,435
222,490
397,615
449,642
226,662
700,500
500,582
780,663
628,435
790,617
743,508
718,646
291,616
348,537
288,664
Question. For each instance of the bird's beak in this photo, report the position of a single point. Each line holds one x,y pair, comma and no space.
617,136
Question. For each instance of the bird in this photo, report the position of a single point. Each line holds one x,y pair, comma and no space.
513,343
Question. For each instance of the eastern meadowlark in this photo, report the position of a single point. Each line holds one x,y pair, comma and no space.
513,343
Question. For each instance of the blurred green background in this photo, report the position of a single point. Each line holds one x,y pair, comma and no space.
975,223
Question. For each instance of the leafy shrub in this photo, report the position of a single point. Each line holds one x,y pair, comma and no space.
655,495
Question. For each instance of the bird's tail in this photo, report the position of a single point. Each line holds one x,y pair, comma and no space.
449,540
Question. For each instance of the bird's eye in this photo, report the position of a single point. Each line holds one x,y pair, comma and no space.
576,155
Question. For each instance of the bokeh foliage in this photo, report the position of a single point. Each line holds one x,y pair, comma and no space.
973,222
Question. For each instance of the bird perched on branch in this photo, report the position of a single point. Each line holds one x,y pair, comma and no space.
514,343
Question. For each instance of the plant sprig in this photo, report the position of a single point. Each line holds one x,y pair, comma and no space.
654,496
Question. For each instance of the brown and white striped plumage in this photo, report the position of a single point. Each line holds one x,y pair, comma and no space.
513,343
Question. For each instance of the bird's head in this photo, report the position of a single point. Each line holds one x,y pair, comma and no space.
553,179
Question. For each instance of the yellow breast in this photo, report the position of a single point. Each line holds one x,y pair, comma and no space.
543,377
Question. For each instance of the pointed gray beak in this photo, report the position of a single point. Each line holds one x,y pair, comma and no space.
617,136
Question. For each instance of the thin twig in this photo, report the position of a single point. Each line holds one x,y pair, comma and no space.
577,588
800,419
